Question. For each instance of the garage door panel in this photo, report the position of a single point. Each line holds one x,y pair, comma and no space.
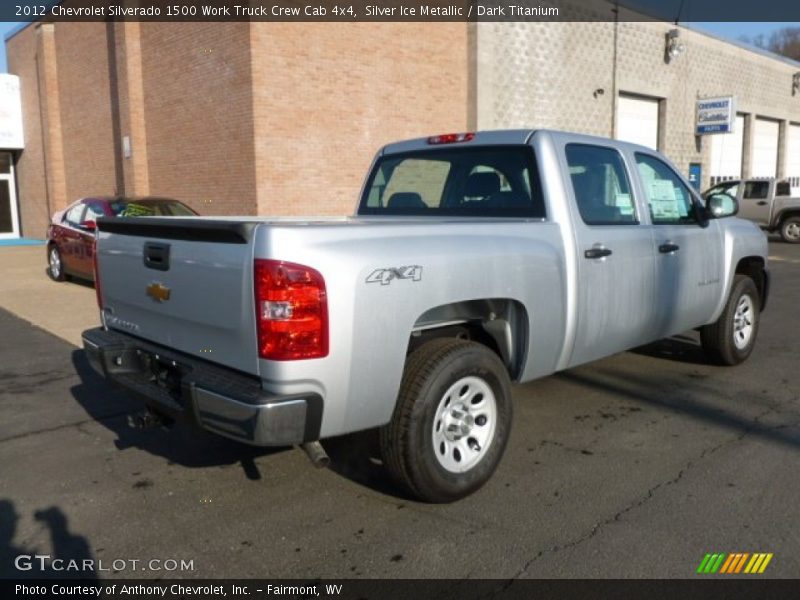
765,148
726,153
637,121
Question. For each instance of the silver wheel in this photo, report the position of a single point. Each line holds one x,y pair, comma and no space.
791,231
55,263
464,425
743,319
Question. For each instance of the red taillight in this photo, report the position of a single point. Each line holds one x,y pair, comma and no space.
451,138
97,289
291,311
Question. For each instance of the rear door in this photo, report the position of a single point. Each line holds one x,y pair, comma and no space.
616,282
688,255
184,283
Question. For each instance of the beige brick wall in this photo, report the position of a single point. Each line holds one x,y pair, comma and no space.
545,76
327,96
198,111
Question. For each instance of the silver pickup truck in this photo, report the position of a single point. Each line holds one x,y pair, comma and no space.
474,260
767,202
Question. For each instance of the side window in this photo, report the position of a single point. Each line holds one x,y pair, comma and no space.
756,190
601,185
75,214
669,198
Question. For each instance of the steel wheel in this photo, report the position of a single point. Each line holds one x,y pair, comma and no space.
464,425
451,422
743,322
731,338
790,231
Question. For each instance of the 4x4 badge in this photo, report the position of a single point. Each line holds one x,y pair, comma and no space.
385,276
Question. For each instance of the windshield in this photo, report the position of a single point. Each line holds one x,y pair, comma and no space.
730,188
483,181
150,208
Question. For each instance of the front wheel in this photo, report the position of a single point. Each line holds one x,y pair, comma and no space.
790,230
451,422
730,340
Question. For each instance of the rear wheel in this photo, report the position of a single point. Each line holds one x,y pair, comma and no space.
790,230
731,339
55,266
451,422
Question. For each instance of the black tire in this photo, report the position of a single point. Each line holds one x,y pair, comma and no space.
719,339
407,442
790,229
55,269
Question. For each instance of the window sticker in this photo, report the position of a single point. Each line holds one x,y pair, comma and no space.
624,203
663,202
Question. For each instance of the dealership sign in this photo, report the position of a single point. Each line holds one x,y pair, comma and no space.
716,115
10,113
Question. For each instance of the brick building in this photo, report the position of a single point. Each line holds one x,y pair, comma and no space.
279,119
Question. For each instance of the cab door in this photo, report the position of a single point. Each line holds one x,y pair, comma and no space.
688,253
754,204
616,264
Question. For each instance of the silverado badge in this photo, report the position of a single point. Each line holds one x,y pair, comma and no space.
158,292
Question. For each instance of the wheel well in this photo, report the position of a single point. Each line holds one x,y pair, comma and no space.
753,267
500,324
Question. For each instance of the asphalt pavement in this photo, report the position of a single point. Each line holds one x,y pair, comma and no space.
634,466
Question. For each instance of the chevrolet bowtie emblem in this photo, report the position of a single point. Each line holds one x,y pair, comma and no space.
158,292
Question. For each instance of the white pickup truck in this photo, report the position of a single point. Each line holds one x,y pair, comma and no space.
474,260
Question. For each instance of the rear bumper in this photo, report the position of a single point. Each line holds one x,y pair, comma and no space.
218,399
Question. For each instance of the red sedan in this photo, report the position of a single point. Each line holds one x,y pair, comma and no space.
70,237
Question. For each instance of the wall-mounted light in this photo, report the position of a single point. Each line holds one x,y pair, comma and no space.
673,47
795,84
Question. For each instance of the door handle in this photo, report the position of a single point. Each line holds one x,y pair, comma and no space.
668,248
762,203
156,256
597,253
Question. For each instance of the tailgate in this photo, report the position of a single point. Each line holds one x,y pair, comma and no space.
183,283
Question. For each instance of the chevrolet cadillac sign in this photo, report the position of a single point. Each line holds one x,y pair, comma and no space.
715,115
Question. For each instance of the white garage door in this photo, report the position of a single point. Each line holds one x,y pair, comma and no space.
765,148
637,120
793,157
726,153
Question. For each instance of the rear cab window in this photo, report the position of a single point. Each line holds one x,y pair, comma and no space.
479,181
601,185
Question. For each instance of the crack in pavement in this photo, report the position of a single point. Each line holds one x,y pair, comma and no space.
76,424
597,527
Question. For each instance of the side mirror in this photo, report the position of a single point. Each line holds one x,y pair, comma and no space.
89,225
720,206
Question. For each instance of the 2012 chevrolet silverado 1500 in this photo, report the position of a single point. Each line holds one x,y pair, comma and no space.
474,260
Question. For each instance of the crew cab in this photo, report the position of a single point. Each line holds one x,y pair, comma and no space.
474,260
767,202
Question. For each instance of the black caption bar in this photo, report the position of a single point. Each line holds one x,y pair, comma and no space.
404,589
401,10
